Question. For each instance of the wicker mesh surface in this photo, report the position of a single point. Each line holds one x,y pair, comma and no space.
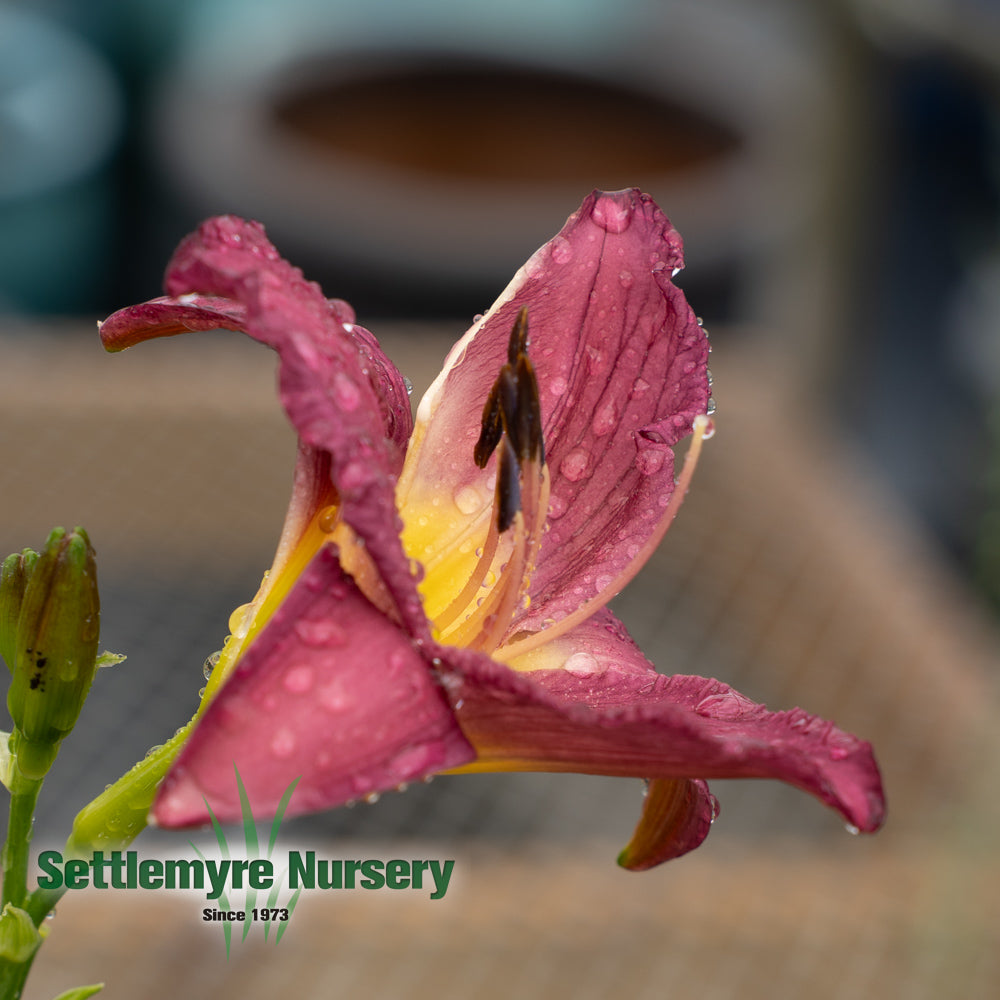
789,573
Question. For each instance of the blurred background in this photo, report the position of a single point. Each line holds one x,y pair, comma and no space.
833,168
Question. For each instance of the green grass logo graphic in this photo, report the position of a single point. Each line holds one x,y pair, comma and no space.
251,851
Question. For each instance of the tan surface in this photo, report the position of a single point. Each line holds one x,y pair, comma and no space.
789,573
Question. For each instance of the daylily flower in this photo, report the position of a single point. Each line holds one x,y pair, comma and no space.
437,601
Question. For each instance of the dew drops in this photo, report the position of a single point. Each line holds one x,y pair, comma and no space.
240,619
561,250
596,360
362,785
639,387
91,628
852,829
534,266
709,431
354,474
606,419
611,215
408,385
345,391
327,520
283,743
557,507
627,279
298,680
558,386
334,698
320,633
649,461
716,808
211,663
576,464
727,705
582,665
468,500
371,798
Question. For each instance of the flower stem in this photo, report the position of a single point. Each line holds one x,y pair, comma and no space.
15,855
23,797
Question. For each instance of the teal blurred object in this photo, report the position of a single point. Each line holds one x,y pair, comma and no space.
61,115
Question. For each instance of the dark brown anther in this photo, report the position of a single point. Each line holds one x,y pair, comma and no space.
508,486
518,343
512,415
507,387
529,412
492,428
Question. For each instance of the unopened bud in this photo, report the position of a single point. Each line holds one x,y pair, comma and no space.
55,651
14,575
19,937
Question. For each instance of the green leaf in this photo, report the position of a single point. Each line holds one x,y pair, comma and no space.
107,659
81,992
6,761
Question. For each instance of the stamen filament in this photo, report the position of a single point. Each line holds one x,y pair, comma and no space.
700,430
471,589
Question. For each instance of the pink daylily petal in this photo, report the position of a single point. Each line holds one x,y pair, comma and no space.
331,693
620,360
676,817
169,316
324,381
624,720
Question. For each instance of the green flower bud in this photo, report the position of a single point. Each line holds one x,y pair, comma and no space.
19,937
55,652
13,579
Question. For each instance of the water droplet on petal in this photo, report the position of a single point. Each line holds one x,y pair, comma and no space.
210,663
627,279
320,633
576,464
468,500
371,798
334,698
345,391
610,214
557,507
298,680
649,461
327,519
582,665
606,419
240,619
561,250
709,431
558,385
596,360
852,829
726,705
716,808
283,743
353,475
